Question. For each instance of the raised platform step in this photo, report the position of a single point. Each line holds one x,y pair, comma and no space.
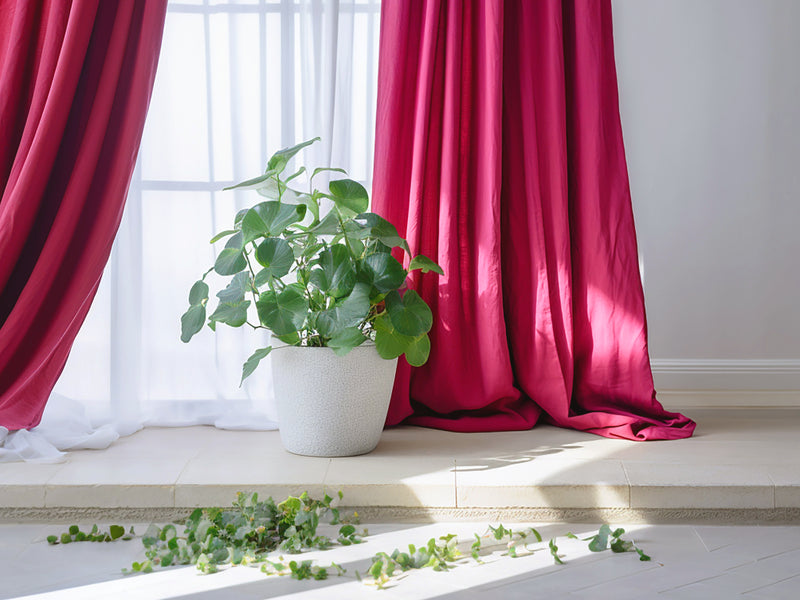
741,466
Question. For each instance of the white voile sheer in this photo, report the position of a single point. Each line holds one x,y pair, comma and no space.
236,81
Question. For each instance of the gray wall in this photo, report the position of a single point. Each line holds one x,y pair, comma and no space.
709,93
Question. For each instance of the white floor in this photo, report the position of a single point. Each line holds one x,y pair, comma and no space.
741,466
689,562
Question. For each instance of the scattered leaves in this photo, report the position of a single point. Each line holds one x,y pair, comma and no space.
253,531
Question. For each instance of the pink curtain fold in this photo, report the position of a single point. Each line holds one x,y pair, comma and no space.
499,154
76,78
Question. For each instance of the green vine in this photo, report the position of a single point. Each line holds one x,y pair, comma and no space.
253,531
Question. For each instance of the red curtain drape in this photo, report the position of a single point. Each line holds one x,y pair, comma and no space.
499,154
76,78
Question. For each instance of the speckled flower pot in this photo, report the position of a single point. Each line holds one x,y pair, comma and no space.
331,405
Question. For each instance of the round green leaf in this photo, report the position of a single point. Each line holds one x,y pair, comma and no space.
418,350
335,275
349,313
384,272
230,261
269,219
292,339
236,241
192,321
236,289
382,230
347,339
329,225
410,314
230,313
198,293
276,256
285,312
350,195
388,342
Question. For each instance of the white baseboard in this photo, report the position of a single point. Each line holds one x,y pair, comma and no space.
741,375
676,400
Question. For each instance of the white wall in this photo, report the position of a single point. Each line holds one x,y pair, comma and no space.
710,102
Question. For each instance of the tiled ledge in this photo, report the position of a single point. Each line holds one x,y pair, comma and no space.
741,464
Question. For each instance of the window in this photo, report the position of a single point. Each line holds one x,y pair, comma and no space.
237,80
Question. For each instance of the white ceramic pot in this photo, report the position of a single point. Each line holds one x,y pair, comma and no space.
331,405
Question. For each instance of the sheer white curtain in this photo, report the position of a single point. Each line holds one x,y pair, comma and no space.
237,80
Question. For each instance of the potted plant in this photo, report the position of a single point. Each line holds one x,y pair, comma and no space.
333,297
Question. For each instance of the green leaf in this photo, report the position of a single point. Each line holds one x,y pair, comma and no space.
254,183
283,313
230,261
642,555
618,546
600,541
410,314
236,289
278,190
319,170
237,221
198,293
418,350
192,321
276,256
350,312
554,552
297,173
116,531
292,339
311,204
329,225
347,339
236,241
222,234
252,362
388,342
420,261
150,537
271,188
384,272
279,160
231,313
382,230
335,275
349,195
269,219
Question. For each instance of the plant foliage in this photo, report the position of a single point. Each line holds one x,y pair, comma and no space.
256,533
314,278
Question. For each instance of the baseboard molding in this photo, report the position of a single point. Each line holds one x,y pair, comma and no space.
755,375
398,514
689,399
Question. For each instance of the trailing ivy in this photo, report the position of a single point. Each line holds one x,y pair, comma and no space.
252,531
247,533
74,534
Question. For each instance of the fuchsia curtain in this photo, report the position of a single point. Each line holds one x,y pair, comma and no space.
499,154
76,78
